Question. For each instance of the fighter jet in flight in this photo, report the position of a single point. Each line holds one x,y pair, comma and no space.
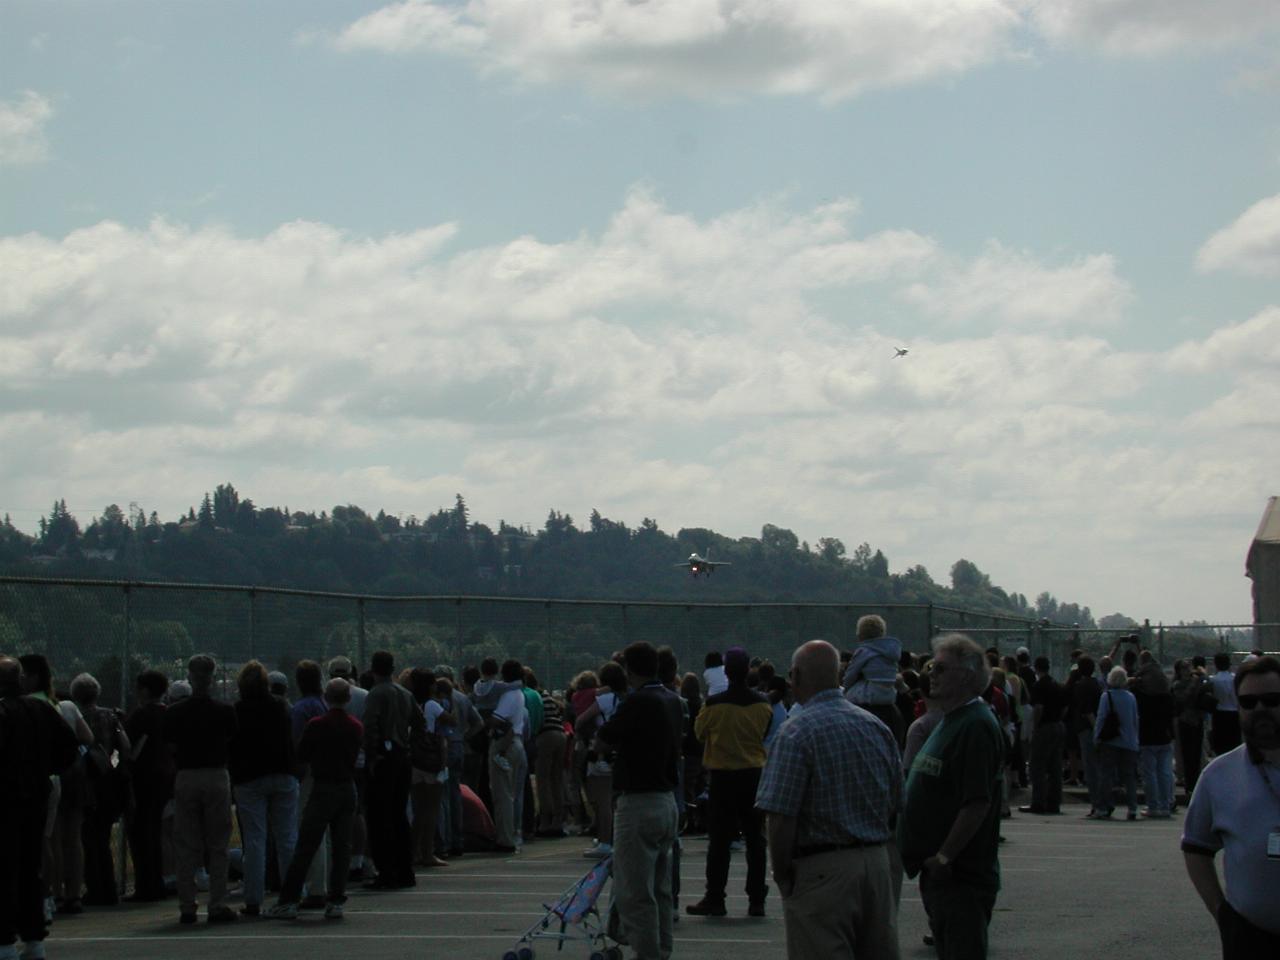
899,352
697,564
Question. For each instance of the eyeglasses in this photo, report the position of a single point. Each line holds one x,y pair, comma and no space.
1250,701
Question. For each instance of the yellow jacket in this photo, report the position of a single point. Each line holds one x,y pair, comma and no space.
732,726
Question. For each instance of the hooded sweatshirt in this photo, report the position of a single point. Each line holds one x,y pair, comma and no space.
873,672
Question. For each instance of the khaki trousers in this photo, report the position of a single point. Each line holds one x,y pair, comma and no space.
201,827
842,906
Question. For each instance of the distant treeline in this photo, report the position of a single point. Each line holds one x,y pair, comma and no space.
228,539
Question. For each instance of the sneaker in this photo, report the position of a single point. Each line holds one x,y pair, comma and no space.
599,851
222,915
706,908
281,911
333,911
187,916
755,910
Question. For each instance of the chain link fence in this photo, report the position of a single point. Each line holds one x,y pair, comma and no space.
114,629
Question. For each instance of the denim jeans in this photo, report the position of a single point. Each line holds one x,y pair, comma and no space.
272,800
1090,756
1119,768
1157,776
644,832
451,802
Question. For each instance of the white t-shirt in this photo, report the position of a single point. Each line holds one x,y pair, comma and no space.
511,707
432,711
716,680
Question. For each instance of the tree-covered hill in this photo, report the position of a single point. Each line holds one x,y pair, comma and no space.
228,539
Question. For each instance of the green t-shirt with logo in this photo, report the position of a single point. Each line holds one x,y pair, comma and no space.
962,761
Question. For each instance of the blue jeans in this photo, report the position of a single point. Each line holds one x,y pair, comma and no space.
274,799
451,801
1157,777
1092,770
1119,768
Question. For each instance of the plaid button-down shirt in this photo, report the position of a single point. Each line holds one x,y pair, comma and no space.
835,768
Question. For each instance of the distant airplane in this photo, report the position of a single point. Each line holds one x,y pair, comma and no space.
697,564
900,352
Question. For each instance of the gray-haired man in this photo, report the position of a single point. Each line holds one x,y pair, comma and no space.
950,829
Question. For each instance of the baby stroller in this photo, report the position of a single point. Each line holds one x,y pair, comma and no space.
579,920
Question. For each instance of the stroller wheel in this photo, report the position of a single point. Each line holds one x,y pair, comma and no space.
525,953
510,955
613,953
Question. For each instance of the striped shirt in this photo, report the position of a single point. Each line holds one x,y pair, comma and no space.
836,768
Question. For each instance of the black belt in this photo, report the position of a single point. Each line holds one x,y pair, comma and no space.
817,848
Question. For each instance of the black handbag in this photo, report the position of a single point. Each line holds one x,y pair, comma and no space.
1111,725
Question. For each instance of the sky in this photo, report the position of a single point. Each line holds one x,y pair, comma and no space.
654,258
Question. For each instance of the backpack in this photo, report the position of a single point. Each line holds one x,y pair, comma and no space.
426,750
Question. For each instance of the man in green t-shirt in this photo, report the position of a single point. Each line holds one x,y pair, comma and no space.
950,828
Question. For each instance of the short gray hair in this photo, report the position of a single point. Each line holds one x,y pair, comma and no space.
968,654
85,689
1117,677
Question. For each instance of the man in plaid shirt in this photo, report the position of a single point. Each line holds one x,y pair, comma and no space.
831,787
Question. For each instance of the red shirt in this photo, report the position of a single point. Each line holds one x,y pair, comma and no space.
330,744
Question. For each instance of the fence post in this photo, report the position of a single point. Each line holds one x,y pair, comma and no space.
626,637
928,625
360,635
457,622
124,651
1160,641
253,624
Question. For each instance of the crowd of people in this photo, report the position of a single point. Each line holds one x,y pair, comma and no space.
836,780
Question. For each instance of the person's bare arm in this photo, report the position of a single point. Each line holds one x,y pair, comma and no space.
782,843
589,714
1204,877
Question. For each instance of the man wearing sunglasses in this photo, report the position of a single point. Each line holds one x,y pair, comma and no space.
1236,809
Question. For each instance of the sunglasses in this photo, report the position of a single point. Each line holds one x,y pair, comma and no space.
1249,701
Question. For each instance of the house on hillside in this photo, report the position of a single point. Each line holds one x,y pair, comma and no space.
1263,568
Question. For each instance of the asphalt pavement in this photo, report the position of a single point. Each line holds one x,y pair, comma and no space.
1073,888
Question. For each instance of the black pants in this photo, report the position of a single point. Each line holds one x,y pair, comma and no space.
1225,734
1241,940
732,809
21,886
1191,741
146,844
1046,766
99,865
959,914
332,807
387,797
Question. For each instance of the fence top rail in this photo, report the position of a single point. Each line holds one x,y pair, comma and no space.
451,598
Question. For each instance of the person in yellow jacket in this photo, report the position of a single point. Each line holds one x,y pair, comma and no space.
732,727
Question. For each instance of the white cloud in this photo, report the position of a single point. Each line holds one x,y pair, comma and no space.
1010,287
1250,346
1152,27
22,123
723,48
697,370
1250,245
704,48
